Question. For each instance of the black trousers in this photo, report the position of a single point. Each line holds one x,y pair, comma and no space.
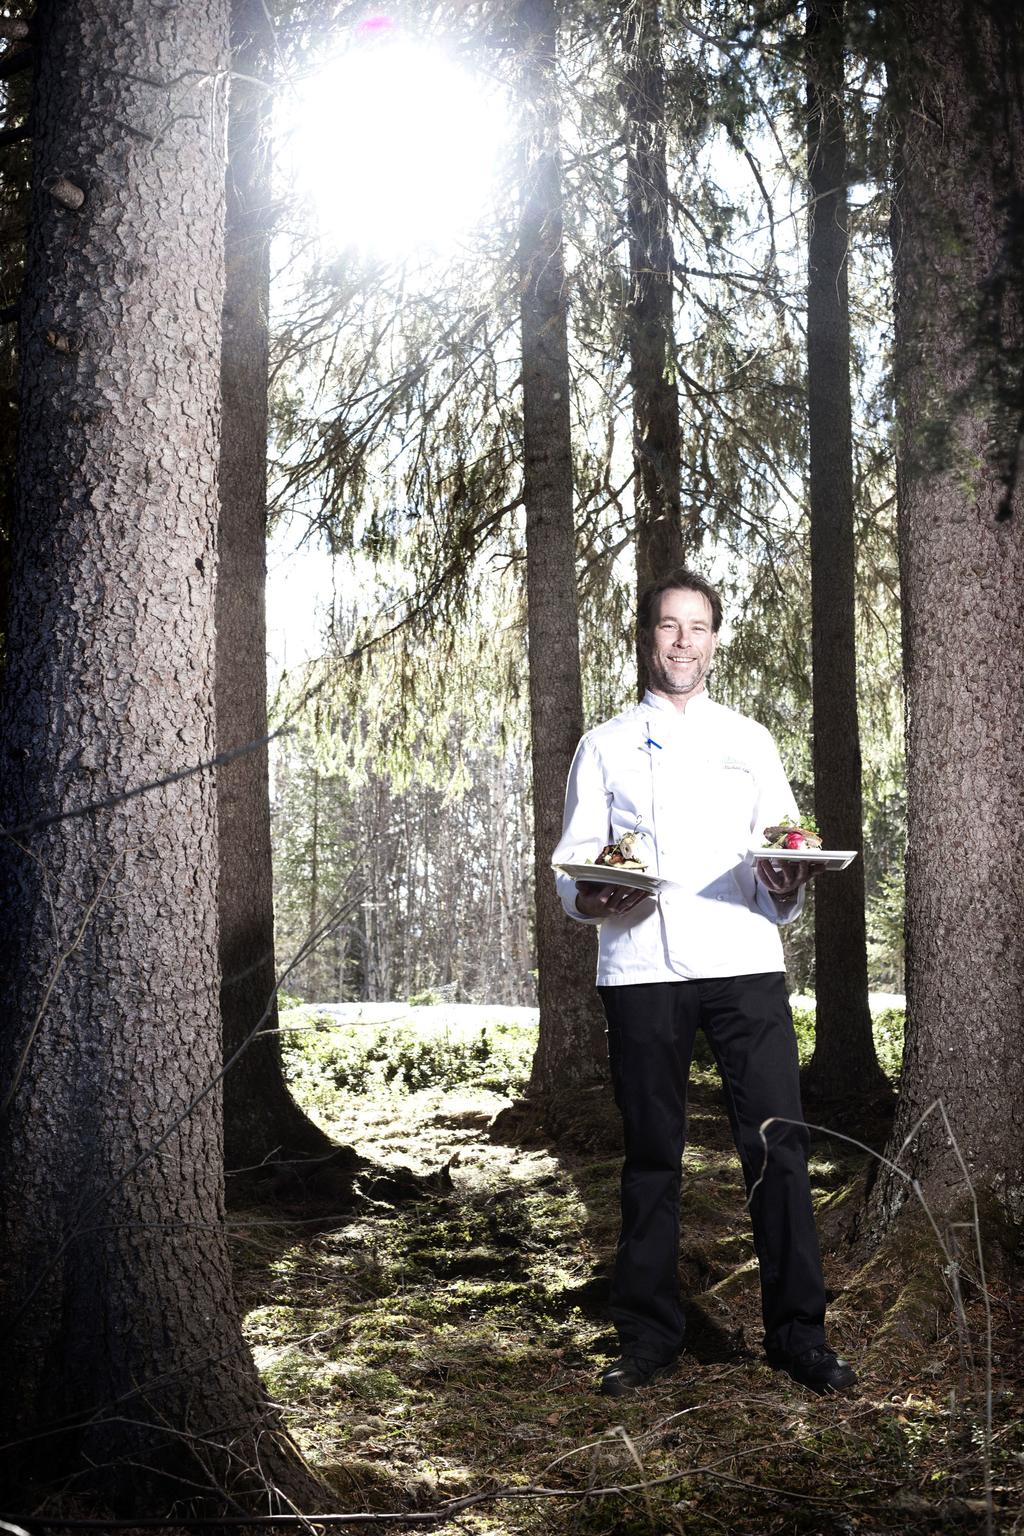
651,1033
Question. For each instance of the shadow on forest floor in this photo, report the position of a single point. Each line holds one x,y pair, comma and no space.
451,1344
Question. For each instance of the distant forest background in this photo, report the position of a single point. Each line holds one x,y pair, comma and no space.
396,445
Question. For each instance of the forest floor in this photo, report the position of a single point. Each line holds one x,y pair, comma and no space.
441,1340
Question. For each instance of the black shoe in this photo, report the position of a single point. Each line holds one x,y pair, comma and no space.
819,1368
631,1372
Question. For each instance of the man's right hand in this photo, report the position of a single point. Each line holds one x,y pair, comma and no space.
594,900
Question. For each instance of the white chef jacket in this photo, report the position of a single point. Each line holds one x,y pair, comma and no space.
700,785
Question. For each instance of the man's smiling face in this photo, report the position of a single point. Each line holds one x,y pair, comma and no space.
681,646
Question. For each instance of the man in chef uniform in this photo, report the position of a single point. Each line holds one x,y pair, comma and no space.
699,782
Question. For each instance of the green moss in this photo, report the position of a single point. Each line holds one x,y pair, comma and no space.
293,1375
455,1342
375,1484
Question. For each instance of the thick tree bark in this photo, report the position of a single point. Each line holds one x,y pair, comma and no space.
14,184
124,1361
570,1049
261,1119
314,881
956,75
844,1063
650,331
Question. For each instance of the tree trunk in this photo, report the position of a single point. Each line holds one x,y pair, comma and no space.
527,928
124,1361
570,1049
260,1117
313,920
14,189
956,74
844,1063
650,331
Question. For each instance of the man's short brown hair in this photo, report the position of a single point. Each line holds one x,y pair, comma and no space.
679,580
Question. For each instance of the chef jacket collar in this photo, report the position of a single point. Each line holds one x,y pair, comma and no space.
666,707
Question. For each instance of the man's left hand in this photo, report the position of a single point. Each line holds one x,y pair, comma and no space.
785,880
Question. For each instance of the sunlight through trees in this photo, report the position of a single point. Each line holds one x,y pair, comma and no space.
484,315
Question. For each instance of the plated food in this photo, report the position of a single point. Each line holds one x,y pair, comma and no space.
618,863
799,843
788,834
623,854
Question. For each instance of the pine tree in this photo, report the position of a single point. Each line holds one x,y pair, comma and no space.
650,331
571,1045
260,1117
956,74
15,151
844,1064
125,1362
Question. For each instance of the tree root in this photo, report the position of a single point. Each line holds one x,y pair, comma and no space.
338,1181
587,1121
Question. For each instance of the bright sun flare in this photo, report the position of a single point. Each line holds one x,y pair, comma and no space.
395,143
